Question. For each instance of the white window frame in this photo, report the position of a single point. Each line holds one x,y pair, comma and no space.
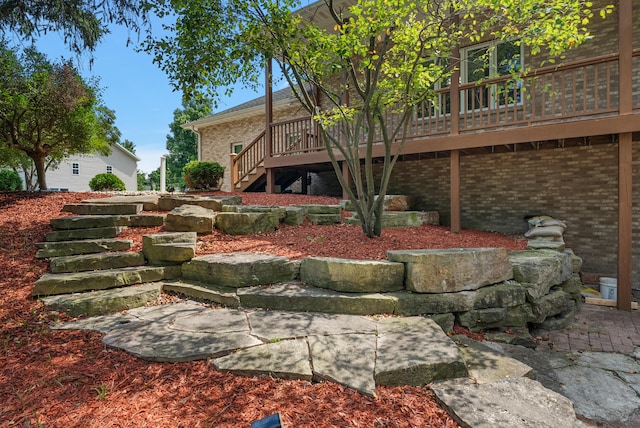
75,168
109,169
492,72
235,145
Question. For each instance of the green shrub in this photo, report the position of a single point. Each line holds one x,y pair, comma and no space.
203,175
106,181
9,180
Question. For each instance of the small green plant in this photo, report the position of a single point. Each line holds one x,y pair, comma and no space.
203,175
101,390
9,181
315,238
106,182
274,340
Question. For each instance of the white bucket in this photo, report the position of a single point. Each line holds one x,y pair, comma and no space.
609,288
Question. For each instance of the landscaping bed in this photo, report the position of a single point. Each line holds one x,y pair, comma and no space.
68,378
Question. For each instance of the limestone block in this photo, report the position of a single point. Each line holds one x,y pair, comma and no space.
576,262
80,234
89,222
545,221
415,351
479,319
70,248
294,216
554,303
547,232
558,322
147,220
293,296
169,248
505,295
233,223
99,261
451,270
105,301
325,219
190,218
103,209
545,244
240,269
540,270
356,276
320,209
397,202
409,304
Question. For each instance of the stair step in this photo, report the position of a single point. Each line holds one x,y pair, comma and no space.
104,302
89,246
78,282
90,222
103,209
204,292
297,297
79,234
93,262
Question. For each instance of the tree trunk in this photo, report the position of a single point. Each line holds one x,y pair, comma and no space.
38,162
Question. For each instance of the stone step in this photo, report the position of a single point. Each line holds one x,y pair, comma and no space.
402,218
89,246
79,234
78,282
103,209
240,269
94,262
101,221
297,297
94,303
204,292
90,222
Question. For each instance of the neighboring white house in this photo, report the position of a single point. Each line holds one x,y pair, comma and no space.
74,173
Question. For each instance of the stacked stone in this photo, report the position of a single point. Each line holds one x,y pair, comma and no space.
545,233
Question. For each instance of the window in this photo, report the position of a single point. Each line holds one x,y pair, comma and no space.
109,169
236,148
490,60
75,168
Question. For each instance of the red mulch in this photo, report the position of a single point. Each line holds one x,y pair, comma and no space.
69,379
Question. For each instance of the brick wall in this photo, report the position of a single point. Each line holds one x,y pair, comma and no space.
216,140
577,185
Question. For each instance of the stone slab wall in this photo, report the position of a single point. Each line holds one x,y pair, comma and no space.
577,185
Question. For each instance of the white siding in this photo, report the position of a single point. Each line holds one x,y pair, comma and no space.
124,166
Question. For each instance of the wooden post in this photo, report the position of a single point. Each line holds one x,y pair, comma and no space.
625,200
625,169
454,175
268,136
347,179
234,170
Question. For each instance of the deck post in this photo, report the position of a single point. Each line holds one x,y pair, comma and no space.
347,179
454,177
625,200
268,136
234,170
625,155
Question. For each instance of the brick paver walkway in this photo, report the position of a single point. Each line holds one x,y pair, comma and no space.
597,328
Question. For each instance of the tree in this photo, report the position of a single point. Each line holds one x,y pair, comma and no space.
48,112
129,145
367,61
82,23
181,143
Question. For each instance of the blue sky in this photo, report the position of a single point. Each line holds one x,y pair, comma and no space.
135,88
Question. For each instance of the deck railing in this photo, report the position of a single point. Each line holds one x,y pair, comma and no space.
569,91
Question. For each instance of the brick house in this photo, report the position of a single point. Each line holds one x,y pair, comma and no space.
571,153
